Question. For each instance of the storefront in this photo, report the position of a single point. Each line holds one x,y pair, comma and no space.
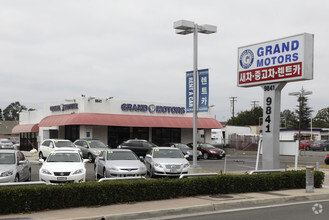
114,121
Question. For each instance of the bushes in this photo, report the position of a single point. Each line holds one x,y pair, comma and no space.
41,197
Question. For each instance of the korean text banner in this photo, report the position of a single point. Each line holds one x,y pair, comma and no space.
203,91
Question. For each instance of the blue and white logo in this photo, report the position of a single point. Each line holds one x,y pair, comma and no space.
152,108
246,59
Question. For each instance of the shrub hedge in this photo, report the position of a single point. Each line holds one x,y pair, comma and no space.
17,199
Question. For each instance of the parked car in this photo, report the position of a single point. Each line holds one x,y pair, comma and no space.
186,150
90,148
326,160
64,165
118,163
138,146
166,161
305,145
14,167
209,151
50,145
320,145
6,144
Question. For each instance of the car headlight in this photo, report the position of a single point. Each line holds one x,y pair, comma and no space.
186,165
44,171
6,173
78,171
113,168
213,152
158,165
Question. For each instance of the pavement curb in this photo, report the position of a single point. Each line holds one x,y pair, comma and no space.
214,207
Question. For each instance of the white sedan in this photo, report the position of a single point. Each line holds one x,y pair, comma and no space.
63,166
166,161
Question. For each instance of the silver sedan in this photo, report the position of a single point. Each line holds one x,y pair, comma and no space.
118,163
14,167
166,161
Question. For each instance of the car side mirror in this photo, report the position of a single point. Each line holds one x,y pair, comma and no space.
186,156
86,160
141,158
41,161
101,158
148,156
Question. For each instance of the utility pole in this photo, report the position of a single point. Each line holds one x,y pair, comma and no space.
233,99
254,104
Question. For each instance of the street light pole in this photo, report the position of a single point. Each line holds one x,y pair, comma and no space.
195,95
187,27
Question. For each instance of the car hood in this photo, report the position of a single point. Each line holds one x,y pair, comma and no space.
7,167
124,164
98,149
170,160
62,167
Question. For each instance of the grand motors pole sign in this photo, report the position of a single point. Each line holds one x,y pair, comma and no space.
272,65
283,60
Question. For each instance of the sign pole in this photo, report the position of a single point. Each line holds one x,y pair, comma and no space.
271,126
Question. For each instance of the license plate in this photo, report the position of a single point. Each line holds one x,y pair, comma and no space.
61,178
173,171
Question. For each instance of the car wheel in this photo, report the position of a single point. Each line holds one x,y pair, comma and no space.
16,178
90,158
205,156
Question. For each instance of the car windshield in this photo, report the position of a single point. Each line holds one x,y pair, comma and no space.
64,144
7,158
167,153
182,146
96,144
63,157
121,155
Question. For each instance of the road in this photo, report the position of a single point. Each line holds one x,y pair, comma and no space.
316,210
235,162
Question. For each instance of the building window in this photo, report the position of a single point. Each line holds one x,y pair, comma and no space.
162,136
72,132
140,133
117,135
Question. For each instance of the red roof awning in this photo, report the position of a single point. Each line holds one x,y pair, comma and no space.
25,128
127,121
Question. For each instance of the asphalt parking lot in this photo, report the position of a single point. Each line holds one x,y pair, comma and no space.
235,162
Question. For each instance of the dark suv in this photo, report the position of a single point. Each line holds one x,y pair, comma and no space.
139,147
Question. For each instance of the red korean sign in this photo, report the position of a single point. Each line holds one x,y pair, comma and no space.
284,60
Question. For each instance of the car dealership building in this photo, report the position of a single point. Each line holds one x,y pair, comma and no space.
112,121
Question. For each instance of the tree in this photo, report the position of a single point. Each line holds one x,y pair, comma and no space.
12,111
291,119
304,111
321,119
1,116
247,117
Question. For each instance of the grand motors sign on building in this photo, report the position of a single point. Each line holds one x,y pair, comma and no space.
282,60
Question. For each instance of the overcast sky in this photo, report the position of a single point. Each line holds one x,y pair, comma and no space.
51,50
